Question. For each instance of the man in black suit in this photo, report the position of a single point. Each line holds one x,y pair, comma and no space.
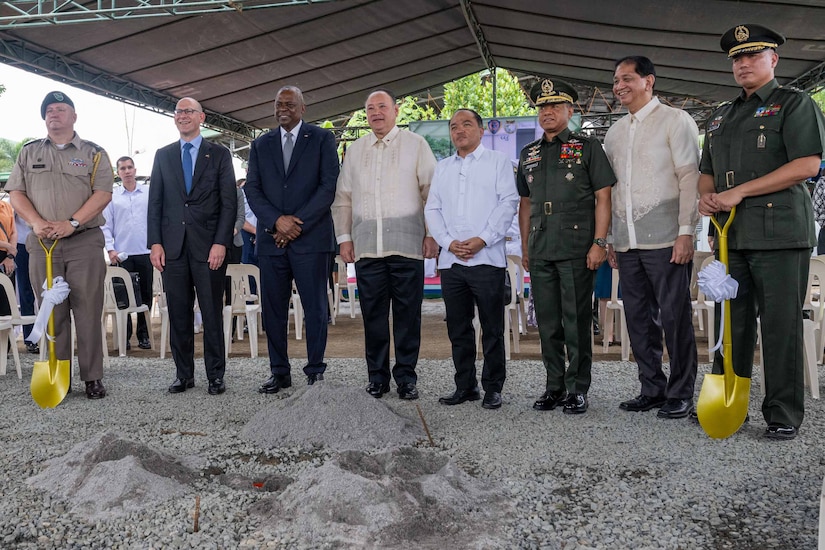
192,210
290,187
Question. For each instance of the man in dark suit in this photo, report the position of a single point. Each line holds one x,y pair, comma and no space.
290,187
192,210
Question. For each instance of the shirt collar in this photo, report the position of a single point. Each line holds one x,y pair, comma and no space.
763,93
564,136
196,143
294,131
645,111
476,154
391,135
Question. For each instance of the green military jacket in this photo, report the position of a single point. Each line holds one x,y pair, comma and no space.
748,138
561,177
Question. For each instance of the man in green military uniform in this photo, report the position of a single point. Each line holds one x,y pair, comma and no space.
564,180
758,151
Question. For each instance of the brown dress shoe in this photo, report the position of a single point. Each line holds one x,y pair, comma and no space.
95,389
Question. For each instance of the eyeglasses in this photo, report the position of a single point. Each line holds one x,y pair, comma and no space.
188,112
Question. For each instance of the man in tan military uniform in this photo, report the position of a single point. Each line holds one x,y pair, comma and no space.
60,185
564,180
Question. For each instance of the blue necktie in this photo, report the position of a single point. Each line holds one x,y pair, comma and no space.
187,167
288,146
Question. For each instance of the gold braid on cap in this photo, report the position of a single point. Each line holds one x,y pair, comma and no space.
751,47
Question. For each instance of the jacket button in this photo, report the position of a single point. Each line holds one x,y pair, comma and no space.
575,227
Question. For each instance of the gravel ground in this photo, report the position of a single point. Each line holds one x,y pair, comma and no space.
606,479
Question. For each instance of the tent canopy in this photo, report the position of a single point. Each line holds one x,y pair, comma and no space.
234,60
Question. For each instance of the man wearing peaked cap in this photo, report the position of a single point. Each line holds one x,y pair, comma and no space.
564,181
750,39
59,186
758,151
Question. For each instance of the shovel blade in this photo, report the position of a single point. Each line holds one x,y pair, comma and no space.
50,382
722,409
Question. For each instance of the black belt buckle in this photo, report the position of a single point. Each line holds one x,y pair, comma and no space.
548,208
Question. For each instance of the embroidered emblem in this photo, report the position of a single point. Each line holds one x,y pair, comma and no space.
78,163
58,96
770,110
741,33
715,123
547,86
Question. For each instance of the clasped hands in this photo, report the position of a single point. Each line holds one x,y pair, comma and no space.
711,203
47,229
465,250
287,229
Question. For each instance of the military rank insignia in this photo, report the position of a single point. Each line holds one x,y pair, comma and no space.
770,110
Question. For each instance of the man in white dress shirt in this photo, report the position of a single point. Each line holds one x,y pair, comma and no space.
654,152
471,205
125,234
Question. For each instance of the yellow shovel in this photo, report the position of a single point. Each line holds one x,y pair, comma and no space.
50,379
723,399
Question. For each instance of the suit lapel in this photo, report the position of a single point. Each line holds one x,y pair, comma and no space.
200,164
276,151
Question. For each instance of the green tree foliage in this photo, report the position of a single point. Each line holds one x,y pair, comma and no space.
8,152
408,111
476,92
819,97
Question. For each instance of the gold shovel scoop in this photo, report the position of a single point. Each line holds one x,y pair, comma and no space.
723,400
50,379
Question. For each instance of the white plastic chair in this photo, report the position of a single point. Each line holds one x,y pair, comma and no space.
351,285
8,338
519,285
704,307
511,314
110,308
816,276
243,305
15,319
615,314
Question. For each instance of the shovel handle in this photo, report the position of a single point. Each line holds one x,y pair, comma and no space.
722,234
49,278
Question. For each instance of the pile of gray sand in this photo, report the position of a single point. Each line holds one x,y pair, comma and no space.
109,476
402,498
335,417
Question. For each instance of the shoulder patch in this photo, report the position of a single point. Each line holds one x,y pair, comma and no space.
96,147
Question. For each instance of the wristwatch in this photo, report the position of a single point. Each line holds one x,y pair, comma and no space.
600,242
74,223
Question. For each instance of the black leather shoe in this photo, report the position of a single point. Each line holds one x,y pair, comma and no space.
216,386
642,403
676,408
95,389
128,345
550,399
32,347
576,403
492,400
777,431
407,391
144,343
460,396
312,378
180,385
276,383
377,390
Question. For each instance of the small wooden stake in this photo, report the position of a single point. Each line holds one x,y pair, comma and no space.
197,513
424,423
